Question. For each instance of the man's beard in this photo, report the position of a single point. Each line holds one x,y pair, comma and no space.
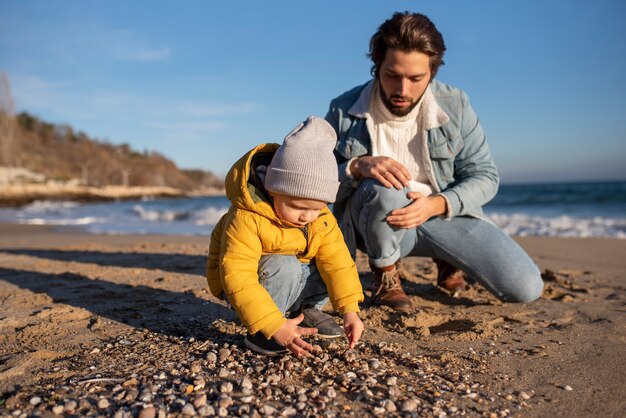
396,111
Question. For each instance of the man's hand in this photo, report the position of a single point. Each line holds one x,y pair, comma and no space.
353,327
387,171
419,211
288,335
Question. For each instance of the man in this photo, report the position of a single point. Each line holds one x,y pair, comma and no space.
415,170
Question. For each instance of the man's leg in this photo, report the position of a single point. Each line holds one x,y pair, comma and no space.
484,253
384,245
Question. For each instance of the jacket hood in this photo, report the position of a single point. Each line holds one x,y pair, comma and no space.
244,195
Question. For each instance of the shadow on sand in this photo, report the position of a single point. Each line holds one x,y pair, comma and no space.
180,314
178,263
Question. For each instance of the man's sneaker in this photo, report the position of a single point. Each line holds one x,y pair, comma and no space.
325,324
389,291
259,344
449,277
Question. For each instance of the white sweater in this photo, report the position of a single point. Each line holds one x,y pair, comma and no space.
401,138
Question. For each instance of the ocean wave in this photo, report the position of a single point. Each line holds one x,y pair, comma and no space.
88,220
209,216
167,215
523,225
206,216
49,207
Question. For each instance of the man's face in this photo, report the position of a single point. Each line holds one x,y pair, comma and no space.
403,78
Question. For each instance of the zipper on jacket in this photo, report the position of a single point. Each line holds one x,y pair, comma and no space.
305,232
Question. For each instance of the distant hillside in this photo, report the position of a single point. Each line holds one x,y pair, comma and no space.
60,153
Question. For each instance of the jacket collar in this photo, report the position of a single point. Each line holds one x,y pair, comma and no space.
431,114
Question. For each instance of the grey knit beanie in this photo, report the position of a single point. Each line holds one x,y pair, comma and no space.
304,165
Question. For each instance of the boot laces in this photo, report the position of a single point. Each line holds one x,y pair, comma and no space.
389,281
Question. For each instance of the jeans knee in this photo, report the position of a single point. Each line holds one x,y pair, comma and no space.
388,198
529,290
288,268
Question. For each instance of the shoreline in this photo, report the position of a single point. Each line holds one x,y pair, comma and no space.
20,195
95,324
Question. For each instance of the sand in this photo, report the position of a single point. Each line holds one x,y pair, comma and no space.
68,298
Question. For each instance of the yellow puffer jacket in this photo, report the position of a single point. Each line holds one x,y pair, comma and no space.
251,229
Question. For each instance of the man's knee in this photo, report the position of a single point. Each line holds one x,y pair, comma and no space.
529,288
390,198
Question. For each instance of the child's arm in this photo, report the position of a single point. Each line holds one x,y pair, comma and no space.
353,327
288,335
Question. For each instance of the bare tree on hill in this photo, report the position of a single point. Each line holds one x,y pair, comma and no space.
7,120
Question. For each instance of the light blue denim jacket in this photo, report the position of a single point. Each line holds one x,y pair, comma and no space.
463,169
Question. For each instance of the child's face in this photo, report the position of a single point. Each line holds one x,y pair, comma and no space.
296,210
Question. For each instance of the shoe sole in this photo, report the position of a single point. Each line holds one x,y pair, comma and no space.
263,351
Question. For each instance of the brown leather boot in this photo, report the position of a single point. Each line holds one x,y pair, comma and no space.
449,277
390,292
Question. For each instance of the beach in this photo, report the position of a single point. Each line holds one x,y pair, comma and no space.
123,325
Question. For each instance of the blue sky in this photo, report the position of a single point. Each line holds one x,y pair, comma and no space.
202,82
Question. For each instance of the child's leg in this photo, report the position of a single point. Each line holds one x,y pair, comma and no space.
314,293
298,288
282,276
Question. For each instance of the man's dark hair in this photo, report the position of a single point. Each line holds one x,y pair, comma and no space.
407,32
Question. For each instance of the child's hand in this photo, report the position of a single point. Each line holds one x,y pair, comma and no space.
353,327
288,335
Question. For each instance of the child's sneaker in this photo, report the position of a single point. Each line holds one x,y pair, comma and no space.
325,324
259,344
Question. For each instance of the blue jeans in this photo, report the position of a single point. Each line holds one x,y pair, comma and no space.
476,246
292,284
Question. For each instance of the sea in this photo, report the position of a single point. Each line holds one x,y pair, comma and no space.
595,209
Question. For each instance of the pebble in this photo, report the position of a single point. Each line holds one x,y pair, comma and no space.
71,406
58,409
409,405
148,412
267,410
35,400
223,373
389,405
224,353
374,363
226,387
188,410
200,401
289,411
199,384
206,411
122,413
245,383
378,410
224,401
131,395
567,387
